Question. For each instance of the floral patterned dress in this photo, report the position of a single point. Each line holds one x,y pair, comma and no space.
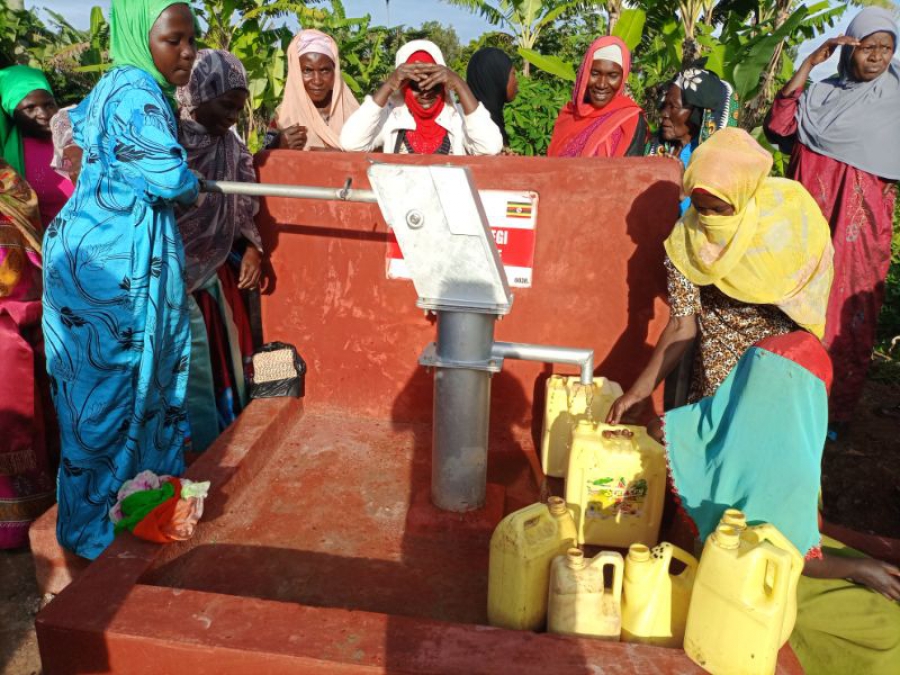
727,329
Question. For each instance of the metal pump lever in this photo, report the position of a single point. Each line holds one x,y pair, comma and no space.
344,194
440,224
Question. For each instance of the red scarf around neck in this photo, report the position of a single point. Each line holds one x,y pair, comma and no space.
428,134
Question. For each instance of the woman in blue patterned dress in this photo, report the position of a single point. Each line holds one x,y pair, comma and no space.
115,318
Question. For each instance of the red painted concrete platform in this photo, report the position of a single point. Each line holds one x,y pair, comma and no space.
305,564
318,552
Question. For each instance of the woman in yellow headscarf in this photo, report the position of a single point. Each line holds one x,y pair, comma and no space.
751,259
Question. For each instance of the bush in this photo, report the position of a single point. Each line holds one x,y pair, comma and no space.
889,321
530,118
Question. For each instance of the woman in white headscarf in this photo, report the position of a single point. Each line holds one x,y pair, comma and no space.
317,101
415,111
844,138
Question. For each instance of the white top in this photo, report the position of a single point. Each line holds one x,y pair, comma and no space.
373,127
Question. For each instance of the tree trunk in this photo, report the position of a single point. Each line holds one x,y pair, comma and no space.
614,15
690,52
757,108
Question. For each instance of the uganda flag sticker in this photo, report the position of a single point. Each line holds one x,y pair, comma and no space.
519,210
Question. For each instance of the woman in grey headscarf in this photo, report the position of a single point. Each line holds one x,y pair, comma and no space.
844,138
215,229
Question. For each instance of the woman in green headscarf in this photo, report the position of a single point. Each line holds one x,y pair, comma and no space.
115,314
28,105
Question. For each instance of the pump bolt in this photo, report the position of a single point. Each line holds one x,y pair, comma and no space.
415,219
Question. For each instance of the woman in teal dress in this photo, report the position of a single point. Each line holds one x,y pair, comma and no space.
756,445
115,318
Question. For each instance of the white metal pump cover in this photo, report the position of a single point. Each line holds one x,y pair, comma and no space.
440,224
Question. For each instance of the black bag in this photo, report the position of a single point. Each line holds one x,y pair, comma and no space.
278,370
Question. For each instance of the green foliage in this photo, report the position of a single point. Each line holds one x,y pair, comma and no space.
491,39
444,37
526,20
20,31
630,27
366,59
530,118
889,321
549,64
64,53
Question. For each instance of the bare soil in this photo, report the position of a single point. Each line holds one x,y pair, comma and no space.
861,470
19,602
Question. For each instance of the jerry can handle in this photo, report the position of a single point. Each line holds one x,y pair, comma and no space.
772,534
781,565
683,556
613,559
782,574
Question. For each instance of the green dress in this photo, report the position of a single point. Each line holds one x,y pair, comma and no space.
844,628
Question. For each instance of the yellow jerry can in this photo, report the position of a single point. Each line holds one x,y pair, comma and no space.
767,532
523,546
616,485
579,602
654,601
741,595
567,403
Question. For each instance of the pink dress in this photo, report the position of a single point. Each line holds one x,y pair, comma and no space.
860,208
28,444
53,191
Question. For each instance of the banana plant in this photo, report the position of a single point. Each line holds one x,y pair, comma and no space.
364,59
524,19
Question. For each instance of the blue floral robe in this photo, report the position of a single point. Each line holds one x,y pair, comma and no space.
115,314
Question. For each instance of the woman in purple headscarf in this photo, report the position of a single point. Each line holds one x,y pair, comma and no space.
216,229
844,138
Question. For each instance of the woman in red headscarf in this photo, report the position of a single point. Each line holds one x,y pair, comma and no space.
600,120
415,111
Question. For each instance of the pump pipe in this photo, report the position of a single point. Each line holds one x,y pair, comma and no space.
584,358
464,356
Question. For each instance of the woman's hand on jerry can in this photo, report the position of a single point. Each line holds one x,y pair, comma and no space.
621,406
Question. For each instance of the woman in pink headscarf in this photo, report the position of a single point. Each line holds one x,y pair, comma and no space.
601,120
317,101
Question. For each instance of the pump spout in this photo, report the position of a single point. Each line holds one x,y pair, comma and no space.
584,358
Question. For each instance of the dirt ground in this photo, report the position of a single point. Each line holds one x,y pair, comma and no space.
19,603
861,471
860,480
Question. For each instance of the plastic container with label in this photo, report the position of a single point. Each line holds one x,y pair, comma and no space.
566,405
523,546
654,601
616,485
741,595
579,602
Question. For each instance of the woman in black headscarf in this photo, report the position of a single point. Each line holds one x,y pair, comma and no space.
492,79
